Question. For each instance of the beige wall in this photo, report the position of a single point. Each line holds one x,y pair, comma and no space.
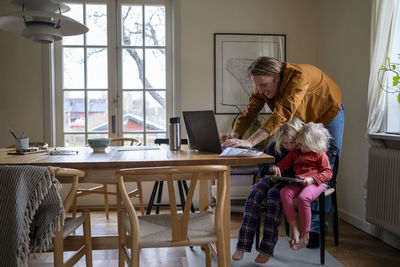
201,19
333,35
20,86
343,51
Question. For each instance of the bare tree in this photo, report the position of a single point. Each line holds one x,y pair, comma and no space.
149,32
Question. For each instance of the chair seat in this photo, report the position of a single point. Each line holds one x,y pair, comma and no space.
72,223
155,230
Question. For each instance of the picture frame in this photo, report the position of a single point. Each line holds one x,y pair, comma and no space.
233,54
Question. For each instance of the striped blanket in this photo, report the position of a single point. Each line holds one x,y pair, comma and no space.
30,210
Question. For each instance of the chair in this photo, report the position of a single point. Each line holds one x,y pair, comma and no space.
103,189
322,218
125,141
158,186
173,229
71,224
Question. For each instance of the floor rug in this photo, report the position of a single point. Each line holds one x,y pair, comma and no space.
283,256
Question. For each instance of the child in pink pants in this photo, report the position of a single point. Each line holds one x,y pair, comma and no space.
311,164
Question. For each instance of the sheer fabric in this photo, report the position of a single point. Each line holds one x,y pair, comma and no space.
383,27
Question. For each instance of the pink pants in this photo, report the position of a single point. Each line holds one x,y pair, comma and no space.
305,195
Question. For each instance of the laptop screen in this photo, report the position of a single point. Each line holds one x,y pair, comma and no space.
202,130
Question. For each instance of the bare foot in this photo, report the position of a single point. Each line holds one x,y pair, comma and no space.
303,241
294,234
238,255
262,258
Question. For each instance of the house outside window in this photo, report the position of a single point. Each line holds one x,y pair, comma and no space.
115,80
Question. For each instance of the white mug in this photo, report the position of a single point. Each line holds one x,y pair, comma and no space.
21,143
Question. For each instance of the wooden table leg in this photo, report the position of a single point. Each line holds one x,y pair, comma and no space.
227,219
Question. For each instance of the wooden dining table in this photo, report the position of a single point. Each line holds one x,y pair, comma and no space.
101,168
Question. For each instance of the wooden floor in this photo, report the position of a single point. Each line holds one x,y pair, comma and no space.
356,248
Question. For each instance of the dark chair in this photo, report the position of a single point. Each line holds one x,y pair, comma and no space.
322,215
158,186
165,141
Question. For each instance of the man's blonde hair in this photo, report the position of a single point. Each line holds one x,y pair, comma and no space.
265,66
314,136
290,130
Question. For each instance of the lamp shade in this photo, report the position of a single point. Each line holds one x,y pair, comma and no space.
42,33
41,26
53,6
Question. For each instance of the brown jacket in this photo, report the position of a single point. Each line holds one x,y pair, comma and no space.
305,92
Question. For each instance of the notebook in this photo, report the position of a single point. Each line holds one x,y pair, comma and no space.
202,131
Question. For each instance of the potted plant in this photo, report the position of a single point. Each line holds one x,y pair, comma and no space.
394,69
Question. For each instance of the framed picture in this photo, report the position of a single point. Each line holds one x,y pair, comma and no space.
234,52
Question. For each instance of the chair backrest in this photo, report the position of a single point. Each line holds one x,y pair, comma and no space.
68,175
125,140
159,141
335,170
170,174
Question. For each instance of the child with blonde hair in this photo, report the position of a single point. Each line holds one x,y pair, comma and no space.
310,163
264,197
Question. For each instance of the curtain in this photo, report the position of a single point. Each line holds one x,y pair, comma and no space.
384,16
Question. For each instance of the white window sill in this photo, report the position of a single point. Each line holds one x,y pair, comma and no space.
387,140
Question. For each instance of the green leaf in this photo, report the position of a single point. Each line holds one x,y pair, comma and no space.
398,98
382,66
393,66
396,80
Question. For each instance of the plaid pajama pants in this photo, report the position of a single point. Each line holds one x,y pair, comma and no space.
264,197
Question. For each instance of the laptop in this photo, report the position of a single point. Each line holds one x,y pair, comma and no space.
202,130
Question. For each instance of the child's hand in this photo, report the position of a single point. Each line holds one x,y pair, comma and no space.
308,181
275,170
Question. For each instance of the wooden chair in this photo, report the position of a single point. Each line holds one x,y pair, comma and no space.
125,141
71,224
173,229
103,189
321,212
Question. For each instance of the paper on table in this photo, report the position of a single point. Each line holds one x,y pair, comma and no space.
239,152
62,152
135,148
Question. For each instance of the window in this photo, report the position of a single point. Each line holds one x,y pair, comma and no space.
383,107
115,80
392,121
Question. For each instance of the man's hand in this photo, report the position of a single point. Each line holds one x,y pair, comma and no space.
223,137
308,181
233,142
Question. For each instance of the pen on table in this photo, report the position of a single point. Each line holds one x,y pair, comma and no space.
11,131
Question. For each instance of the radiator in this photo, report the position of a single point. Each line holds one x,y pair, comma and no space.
383,192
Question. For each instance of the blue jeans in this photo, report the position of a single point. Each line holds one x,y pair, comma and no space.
335,128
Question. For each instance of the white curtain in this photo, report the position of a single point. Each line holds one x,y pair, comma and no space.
384,16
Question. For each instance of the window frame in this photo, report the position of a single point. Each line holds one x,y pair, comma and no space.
114,77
